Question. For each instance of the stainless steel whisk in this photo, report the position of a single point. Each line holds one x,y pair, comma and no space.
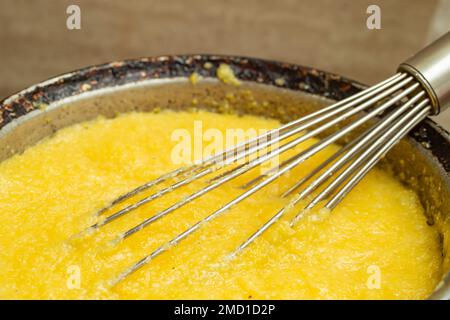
419,89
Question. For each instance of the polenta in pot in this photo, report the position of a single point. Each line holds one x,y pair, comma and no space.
375,245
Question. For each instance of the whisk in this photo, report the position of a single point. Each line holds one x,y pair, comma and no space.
419,89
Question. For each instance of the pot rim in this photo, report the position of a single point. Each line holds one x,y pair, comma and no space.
263,71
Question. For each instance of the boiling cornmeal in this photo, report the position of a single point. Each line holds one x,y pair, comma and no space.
375,244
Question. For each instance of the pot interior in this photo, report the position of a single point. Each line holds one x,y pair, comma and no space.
414,163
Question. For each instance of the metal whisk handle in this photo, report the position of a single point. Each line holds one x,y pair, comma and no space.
431,67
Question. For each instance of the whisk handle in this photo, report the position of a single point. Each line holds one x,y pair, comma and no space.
431,67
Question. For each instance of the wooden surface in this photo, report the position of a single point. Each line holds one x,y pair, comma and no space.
328,34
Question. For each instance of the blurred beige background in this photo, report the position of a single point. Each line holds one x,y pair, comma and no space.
328,34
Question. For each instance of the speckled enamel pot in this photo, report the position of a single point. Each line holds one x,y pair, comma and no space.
280,90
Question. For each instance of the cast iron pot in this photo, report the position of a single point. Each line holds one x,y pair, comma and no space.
278,90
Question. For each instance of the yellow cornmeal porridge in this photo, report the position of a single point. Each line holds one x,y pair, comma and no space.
376,244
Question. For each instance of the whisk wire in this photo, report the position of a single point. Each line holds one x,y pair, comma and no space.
366,138
338,174
351,168
246,167
337,165
373,161
348,102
